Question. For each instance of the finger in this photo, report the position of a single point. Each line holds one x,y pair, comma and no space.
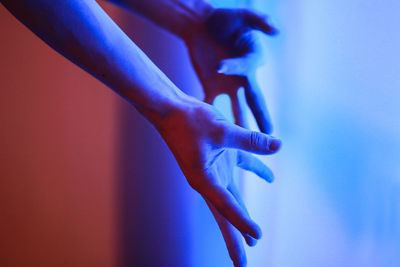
240,66
235,66
251,242
236,194
248,162
226,204
238,110
258,22
251,141
232,238
256,102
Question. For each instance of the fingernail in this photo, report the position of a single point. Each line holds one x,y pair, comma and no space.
255,232
274,144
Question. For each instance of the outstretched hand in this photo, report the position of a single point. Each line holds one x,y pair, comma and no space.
225,56
205,145
207,148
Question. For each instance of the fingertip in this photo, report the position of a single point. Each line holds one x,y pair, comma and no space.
251,242
274,144
255,232
266,174
270,29
267,28
270,177
274,32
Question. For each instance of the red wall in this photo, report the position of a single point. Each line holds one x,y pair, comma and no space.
57,153
84,179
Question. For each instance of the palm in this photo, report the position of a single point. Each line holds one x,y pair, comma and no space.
207,149
221,172
224,55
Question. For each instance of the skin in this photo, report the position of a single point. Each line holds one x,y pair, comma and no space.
205,145
231,61
208,163
229,64
232,55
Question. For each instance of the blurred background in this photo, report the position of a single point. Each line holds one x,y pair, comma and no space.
86,181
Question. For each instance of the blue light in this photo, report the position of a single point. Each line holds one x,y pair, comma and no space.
332,84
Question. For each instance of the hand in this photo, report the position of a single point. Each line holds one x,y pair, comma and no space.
207,147
224,55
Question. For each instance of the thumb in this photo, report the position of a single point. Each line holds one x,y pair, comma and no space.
251,141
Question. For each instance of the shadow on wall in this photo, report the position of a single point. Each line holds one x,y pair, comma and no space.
154,228
152,191
163,221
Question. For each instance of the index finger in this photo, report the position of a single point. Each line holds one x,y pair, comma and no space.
232,238
258,22
227,206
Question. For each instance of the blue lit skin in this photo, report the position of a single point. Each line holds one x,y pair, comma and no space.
231,60
205,145
221,45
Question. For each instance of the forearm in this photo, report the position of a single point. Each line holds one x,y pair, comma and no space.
85,34
180,17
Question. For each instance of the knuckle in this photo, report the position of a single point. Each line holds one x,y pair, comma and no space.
255,139
219,134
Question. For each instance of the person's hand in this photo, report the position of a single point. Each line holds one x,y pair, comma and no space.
225,56
207,147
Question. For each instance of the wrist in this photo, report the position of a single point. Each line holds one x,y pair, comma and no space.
161,108
180,114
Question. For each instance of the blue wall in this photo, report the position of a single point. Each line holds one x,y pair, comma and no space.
332,79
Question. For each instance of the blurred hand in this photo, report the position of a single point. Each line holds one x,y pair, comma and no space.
225,56
207,148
